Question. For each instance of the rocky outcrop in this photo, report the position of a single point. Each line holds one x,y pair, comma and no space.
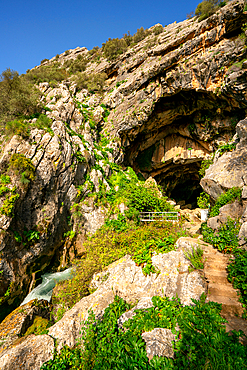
233,210
166,104
30,354
228,170
126,280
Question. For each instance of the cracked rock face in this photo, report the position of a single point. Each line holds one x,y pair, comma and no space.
229,170
171,99
126,279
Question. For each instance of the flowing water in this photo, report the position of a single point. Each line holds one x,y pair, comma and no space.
49,280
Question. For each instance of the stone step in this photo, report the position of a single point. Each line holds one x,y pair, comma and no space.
216,279
215,259
224,290
230,306
214,266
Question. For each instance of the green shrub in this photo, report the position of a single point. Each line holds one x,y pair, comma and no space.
22,127
18,97
5,179
226,239
8,206
207,8
195,257
107,246
203,200
204,166
158,29
38,327
113,48
136,194
76,65
20,164
140,34
93,82
44,60
52,73
226,148
202,339
225,198
17,127
237,274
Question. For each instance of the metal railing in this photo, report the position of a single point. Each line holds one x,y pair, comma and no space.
160,216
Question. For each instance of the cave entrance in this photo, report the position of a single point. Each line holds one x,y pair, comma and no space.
188,192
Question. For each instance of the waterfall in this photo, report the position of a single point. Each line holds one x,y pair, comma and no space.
49,280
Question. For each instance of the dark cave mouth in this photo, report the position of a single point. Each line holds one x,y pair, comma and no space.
187,193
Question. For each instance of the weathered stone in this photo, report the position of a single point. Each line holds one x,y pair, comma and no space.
243,236
17,323
145,302
127,280
159,342
233,211
229,170
30,353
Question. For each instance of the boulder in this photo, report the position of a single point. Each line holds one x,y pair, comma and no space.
127,280
29,354
243,236
230,169
16,324
233,210
159,342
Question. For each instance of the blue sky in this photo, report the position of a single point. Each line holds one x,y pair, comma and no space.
34,30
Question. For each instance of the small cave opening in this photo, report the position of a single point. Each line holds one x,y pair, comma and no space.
181,183
187,193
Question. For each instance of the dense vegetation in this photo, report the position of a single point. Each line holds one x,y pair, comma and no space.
18,97
107,246
208,7
201,342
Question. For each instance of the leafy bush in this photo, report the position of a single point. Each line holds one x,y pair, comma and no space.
44,60
203,200
17,127
225,198
158,29
195,257
8,206
136,194
22,127
204,166
207,8
226,239
202,339
113,48
18,97
52,73
76,65
20,164
38,327
237,274
140,34
107,246
93,82
226,148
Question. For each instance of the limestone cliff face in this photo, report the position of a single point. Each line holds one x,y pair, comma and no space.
167,102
